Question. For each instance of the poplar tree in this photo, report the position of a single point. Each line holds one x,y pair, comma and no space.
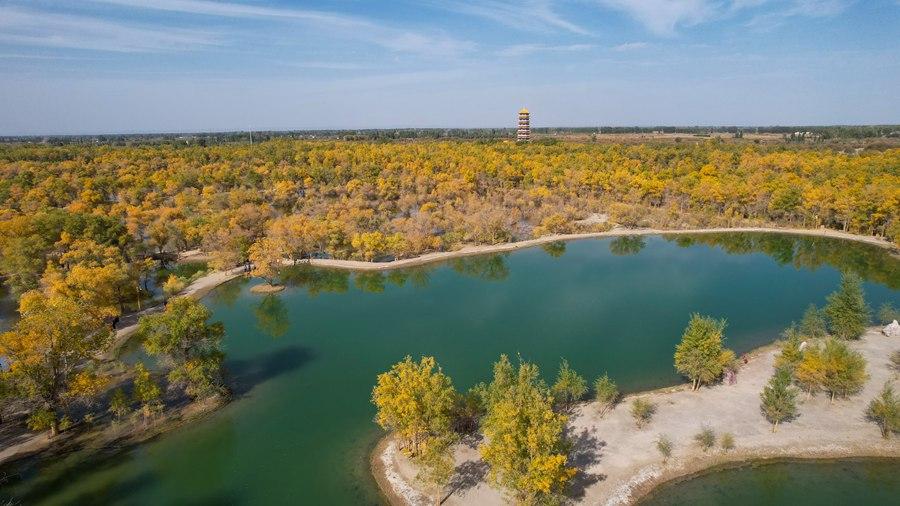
700,355
813,324
525,443
845,369
267,256
185,340
790,354
47,349
885,411
810,371
569,388
847,311
778,398
436,464
606,392
146,391
416,401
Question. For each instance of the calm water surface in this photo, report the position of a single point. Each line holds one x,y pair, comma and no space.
860,483
303,362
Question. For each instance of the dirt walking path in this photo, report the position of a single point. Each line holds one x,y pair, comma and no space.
465,251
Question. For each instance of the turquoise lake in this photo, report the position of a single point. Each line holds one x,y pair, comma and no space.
303,362
857,482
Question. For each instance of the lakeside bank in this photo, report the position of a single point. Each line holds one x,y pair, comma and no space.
202,286
205,284
465,251
619,464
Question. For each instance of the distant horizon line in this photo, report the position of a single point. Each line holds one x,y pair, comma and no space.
388,129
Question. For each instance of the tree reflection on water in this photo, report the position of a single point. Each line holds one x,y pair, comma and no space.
870,262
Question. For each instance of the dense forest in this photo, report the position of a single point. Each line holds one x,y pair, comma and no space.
83,217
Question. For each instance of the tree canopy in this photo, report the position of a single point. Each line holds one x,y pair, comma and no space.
416,401
182,336
700,355
779,398
847,311
373,200
525,443
47,349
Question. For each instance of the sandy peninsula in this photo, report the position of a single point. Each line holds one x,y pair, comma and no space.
619,464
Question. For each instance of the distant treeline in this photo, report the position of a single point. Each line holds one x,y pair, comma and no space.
822,132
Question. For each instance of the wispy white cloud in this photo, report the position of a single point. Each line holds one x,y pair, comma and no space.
32,28
665,17
662,17
531,15
394,39
630,46
239,10
798,8
526,49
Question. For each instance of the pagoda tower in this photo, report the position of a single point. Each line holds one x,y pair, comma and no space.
523,133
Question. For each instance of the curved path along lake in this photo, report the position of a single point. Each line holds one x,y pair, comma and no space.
303,362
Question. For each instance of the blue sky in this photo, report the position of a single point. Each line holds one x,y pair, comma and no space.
110,66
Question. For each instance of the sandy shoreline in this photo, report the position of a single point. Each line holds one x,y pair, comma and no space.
620,464
427,258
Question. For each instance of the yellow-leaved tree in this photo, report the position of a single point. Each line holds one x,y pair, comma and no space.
48,348
415,400
267,256
525,443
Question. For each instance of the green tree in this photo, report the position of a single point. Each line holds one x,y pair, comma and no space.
727,441
779,398
888,313
525,443
416,401
664,446
606,393
885,411
183,338
790,354
847,311
146,392
569,388
118,404
642,411
700,355
706,438
845,369
814,324
503,380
